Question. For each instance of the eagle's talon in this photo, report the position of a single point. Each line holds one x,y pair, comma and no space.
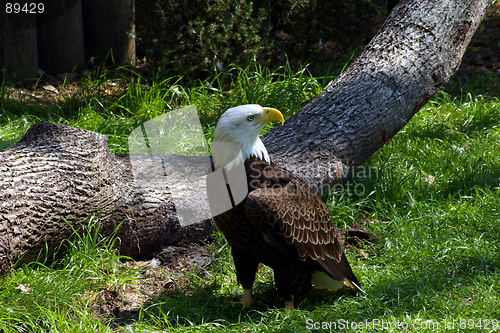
246,300
289,305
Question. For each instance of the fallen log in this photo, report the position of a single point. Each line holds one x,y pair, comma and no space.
56,176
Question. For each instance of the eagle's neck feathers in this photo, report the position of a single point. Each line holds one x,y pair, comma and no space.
226,153
257,149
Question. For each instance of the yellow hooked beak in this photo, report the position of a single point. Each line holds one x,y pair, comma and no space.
272,115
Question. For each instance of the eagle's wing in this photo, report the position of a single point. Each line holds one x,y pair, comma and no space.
295,220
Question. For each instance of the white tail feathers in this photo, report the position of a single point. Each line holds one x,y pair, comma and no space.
353,285
324,281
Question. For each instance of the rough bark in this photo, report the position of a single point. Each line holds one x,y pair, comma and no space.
417,50
57,172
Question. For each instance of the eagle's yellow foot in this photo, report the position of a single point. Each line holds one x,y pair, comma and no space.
289,305
246,300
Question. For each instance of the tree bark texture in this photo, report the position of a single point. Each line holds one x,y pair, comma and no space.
416,51
57,173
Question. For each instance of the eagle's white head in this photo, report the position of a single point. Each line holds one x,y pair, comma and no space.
239,127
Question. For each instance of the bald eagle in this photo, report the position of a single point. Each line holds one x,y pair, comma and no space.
281,222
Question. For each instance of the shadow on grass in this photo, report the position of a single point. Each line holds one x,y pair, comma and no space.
198,305
478,84
412,292
19,113
466,183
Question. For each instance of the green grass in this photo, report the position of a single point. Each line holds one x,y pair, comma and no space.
56,295
117,114
432,196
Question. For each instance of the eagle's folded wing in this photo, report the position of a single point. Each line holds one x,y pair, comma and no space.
294,215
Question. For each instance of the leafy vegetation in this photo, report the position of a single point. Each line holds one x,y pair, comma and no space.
190,35
431,195
197,38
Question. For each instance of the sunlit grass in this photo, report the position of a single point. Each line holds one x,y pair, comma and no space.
432,197
57,294
118,114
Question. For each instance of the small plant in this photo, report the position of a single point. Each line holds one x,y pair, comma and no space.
189,36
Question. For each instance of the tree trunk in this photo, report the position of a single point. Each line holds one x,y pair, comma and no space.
60,37
109,26
417,50
18,45
57,172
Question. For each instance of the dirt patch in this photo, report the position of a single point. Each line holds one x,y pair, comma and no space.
159,277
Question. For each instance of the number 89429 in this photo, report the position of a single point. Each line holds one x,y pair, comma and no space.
27,8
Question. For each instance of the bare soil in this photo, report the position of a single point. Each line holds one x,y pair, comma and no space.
165,274
162,276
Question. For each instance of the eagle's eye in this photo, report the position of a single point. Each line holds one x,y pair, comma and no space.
250,118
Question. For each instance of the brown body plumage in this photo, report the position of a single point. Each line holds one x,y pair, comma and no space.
285,226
